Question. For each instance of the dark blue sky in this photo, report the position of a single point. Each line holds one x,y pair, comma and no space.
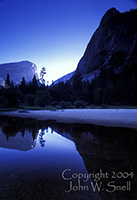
51,33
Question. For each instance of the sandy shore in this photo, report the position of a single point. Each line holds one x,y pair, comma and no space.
104,117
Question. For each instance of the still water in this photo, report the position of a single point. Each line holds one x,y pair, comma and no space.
44,160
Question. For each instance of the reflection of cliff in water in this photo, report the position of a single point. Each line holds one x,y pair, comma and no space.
37,174
109,149
24,143
19,134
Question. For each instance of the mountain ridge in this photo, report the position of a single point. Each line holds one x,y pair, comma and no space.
18,70
113,44
64,78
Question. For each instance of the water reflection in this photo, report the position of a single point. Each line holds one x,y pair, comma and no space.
41,140
19,142
32,163
46,149
112,150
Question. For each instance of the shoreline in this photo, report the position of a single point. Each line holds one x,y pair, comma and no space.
103,117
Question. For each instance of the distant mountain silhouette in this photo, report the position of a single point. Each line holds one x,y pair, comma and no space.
64,78
17,71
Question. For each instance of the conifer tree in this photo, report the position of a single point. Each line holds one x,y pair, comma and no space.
7,81
42,74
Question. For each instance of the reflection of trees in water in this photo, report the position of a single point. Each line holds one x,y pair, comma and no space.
41,140
11,126
109,149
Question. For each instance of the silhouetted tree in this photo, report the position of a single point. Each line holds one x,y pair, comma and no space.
34,84
43,98
109,93
23,86
98,94
77,86
7,81
30,99
42,74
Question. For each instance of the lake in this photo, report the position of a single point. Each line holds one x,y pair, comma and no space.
48,160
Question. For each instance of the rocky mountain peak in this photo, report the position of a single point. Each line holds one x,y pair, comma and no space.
108,15
113,44
17,71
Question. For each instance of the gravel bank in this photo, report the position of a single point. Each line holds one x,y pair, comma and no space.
104,117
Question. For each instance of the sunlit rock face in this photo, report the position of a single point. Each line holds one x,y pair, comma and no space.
17,71
114,44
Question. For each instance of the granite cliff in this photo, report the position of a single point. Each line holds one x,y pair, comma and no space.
17,71
114,44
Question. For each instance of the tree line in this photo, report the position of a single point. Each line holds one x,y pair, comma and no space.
107,88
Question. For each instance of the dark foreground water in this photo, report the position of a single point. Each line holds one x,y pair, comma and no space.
44,160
